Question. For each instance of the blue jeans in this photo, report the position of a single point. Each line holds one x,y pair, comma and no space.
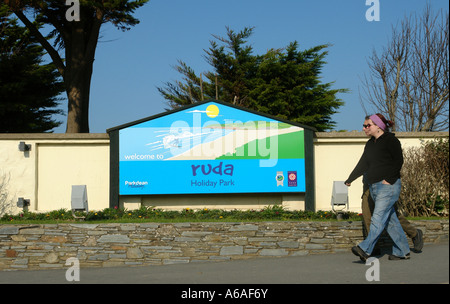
384,216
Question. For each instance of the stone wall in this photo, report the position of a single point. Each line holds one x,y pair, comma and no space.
105,245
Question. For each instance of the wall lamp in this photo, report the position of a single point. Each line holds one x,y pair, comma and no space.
24,147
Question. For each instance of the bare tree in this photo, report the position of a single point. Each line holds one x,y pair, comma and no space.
408,81
6,204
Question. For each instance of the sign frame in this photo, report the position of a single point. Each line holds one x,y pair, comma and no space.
115,157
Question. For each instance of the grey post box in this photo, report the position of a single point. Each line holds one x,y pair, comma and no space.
339,197
79,200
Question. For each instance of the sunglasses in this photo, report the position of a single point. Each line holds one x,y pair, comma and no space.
367,126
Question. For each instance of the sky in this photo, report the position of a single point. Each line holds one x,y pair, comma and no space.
129,66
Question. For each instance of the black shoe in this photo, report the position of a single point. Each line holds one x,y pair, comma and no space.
376,251
397,258
359,252
418,241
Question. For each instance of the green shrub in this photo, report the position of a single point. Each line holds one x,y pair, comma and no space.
425,179
269,213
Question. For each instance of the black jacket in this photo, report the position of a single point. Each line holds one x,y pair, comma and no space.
382,160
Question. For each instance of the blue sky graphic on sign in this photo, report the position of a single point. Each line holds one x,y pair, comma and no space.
211,148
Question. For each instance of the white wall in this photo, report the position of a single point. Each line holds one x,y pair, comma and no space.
45,174
336,155
57,161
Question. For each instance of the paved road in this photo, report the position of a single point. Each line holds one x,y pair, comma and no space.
429,267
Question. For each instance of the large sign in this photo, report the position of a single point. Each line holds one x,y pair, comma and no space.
211,148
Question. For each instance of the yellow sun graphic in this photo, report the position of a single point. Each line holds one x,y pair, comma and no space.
212,111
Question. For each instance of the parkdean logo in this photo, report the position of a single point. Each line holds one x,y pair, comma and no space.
136,184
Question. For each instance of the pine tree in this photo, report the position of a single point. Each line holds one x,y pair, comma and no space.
78,37
29,89
282,82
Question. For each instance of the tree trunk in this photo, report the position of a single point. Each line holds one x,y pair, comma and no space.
78,90
80,47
